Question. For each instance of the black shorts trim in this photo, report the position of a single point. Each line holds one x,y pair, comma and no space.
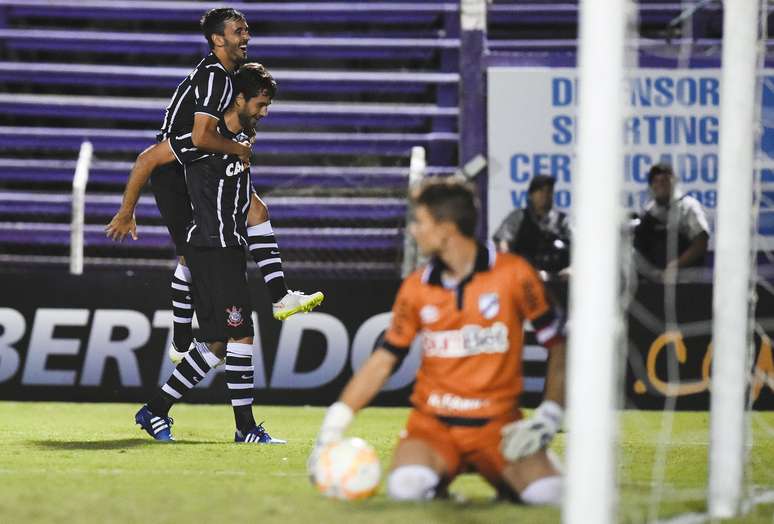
464,421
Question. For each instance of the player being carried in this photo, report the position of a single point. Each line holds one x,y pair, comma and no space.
189,133
468,306
220,191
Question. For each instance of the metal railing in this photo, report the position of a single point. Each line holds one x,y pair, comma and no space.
417,172
80,179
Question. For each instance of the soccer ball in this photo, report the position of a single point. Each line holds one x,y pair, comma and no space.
348,470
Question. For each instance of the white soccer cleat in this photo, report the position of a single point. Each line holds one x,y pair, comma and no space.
295,302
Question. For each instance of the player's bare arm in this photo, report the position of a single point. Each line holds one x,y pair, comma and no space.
555,373
205,136
124,223
368,380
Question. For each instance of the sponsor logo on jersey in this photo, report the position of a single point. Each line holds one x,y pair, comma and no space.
234,316
489,305
469,341
454,402
429,314
235,168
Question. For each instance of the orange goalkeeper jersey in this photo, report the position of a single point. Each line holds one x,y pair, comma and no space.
471,333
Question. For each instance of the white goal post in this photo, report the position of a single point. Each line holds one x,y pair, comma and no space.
590,485
731,326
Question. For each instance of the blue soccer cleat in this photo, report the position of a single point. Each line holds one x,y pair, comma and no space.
257,435
160,428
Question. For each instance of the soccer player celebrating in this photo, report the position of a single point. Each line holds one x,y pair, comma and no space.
468,306
220,192
190,129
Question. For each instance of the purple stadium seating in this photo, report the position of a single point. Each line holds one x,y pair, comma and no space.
70,139
284,114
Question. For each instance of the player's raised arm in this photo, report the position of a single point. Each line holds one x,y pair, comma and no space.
123,222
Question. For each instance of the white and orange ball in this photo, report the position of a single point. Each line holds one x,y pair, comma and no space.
348,469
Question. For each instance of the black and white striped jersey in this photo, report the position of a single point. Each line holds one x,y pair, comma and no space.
207,89
220,190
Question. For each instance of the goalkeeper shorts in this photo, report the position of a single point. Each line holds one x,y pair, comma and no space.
464,447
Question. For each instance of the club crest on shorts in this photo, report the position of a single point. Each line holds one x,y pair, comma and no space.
234,316
489,305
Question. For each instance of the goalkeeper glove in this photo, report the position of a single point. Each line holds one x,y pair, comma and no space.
525,437
337,420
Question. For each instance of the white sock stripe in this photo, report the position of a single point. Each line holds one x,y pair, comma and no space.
245,385
171,392
180,287
209,357
263,246
241,402
244,350
268,261
240,368
182,379
188,358
272,276
239,359
262,229
181,305
183,273
182,320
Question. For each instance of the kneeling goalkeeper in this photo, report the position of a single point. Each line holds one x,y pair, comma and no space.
468,306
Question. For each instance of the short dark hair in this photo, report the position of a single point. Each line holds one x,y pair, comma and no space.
253,79
660,169
449,200
214,21
541,181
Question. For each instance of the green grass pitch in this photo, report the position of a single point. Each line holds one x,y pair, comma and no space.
86,463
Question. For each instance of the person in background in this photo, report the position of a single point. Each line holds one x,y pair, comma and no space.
673,230
538,232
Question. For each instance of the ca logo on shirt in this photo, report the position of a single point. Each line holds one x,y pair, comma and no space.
489,305
234,168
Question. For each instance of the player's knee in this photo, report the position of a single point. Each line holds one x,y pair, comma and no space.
412,482
546,490
258,212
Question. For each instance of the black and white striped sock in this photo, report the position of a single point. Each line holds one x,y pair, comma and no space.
266,253
239,378
191,370
182,308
